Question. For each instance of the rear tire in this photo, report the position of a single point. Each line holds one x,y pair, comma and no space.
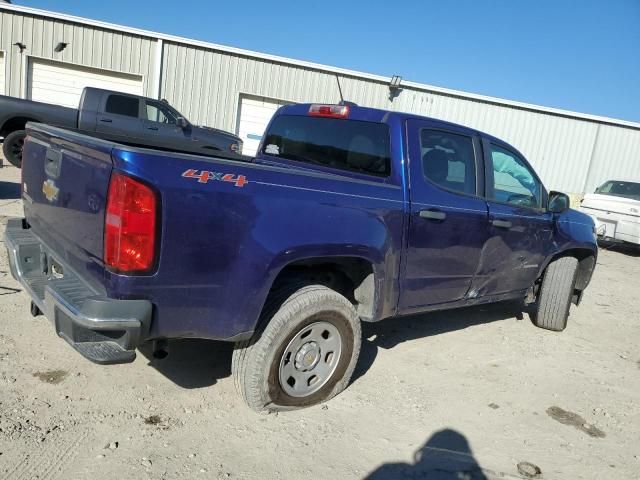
556,293
303,353
12,147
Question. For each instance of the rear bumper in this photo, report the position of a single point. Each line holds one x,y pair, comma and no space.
615,226
102,329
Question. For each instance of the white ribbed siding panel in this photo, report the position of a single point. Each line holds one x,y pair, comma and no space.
2,73
206,85
616,156
559,148
87,46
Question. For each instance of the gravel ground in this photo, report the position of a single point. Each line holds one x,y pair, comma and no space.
469,394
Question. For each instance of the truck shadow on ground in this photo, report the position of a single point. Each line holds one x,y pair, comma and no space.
446,455
9,190
624,248
194,363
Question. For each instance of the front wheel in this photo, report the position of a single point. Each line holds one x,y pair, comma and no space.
12,147
556,294
303,353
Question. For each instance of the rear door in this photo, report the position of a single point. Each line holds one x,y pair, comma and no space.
520,229
448,218
120,114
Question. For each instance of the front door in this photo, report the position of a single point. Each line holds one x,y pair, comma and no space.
520,229
448,218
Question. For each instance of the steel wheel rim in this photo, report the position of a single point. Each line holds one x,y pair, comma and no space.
310,359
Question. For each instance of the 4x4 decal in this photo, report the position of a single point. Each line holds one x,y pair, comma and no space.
204,176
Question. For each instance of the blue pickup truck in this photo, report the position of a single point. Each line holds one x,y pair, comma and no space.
346,214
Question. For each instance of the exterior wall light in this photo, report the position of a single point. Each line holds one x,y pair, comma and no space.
394,87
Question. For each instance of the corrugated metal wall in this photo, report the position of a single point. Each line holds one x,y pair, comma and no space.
570,154
615,156
88,46
206,85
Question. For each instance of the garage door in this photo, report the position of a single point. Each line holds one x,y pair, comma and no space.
255,114
62,83
2,75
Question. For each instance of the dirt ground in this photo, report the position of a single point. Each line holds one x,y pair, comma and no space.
468,394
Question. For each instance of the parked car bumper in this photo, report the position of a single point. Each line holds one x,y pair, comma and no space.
102,329
615,226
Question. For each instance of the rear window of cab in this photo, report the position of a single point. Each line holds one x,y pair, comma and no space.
352,145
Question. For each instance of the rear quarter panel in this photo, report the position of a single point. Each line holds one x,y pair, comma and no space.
222,245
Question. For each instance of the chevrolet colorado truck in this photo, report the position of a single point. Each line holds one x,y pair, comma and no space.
347,214
116,116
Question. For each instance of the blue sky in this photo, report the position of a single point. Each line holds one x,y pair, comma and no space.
577,55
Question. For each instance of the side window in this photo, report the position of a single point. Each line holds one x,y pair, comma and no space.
121,105
448,160
604,188
513,180
157,112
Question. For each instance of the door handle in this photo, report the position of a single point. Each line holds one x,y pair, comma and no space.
501,223
106,120
152,128
433,214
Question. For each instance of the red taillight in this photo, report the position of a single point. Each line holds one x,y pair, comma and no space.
130,225
331,111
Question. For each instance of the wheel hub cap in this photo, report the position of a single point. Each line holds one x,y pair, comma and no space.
308,356
310,359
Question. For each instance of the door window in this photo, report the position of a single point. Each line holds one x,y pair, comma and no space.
513,180
448,160
122,105
157,112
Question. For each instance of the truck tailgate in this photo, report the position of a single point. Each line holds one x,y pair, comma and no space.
65,184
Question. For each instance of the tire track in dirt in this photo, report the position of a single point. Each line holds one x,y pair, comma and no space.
50,462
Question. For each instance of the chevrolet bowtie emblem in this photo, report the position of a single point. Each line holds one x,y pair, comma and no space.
50,190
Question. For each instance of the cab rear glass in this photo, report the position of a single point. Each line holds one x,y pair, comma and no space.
332,142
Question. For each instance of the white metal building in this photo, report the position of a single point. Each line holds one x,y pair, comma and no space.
238,90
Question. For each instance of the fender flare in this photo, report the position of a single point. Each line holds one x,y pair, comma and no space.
582,253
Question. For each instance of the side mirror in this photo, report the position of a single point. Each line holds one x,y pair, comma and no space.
558,202
182,123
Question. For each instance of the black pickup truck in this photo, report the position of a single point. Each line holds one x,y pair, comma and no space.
116,116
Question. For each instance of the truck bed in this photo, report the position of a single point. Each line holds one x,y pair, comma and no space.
36,111
227,226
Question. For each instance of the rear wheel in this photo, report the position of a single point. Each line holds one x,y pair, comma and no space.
303,354
12,147
554,300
